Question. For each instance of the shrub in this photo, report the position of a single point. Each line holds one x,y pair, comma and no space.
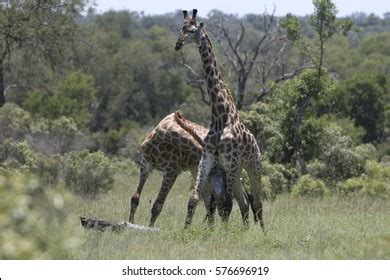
374,181
260,122
49,168
346,126
308,186
14,122
339,159
376,170
368,186
343,163
88,173
267,188
276,174
29,215
318,169
17,155
55,136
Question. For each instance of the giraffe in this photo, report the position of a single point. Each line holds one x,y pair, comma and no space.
228,141
172,148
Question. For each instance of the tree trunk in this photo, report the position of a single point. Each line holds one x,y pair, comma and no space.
240,91
2,87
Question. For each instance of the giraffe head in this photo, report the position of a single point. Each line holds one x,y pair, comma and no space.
190,32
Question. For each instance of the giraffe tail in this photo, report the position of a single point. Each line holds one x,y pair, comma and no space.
188,126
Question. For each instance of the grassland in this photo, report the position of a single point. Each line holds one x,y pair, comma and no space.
330,228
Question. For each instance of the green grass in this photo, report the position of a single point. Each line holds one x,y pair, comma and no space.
330,228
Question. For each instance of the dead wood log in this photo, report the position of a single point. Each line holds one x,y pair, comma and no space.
102,225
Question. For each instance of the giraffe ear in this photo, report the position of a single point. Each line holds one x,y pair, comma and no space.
185,13
194,12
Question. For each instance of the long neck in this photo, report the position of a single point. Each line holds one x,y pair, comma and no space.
223,110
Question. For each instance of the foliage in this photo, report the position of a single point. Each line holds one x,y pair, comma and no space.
14,122
17,155
325,26
347,127
277,175
373,182
43,28
343,160
29,220
300,129
75,98
259,121
88,173
267,188
56,136
363,99
49,168
309,186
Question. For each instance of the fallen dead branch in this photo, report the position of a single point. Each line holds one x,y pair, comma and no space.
102,225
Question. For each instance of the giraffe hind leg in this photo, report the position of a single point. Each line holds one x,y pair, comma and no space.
210,204
169,179
204,168
225,207
254,173
242,200
145,170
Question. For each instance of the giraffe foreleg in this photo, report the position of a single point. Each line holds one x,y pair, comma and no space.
145,170
205,164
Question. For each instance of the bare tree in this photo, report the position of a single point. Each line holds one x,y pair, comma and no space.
195,80
266,57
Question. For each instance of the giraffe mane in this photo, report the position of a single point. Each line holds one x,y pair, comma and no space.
187,126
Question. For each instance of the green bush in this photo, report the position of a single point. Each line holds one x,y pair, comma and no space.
266,186
343,163
342,160
29,220
88,173
17,155
49,168
56,136
367,186
276,174
318,169
74,98
347,126
259,120
308,186
14,122
374,182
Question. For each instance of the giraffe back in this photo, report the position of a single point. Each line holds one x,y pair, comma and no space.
171,146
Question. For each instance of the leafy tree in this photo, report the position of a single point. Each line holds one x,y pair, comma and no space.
75,97
43,27
364,98
325,25
115,21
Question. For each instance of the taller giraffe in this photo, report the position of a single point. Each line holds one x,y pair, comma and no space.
228,141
